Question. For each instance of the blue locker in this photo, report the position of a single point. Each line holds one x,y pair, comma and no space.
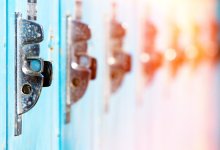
41,124
80,133
127,124
118,121
3,103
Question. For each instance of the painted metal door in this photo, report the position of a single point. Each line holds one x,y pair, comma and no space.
126,125
83,130
117,117
3,75
41,124
179,112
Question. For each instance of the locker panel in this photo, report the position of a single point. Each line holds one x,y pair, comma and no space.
10,72
97,16
178,112
40,125
3,75
118,121
66,8
80,133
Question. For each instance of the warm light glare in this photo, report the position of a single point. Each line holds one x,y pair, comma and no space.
145,57
111,61
191,52
170,54
74,65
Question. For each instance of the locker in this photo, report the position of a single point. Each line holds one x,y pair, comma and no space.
137,115
119,107
40,126
178,112
83,130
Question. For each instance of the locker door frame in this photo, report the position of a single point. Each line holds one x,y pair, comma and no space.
80,133
41,124
9,62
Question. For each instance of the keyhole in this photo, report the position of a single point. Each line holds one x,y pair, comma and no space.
26,89
114,75
75,82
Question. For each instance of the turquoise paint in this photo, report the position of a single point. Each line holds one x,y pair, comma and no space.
3,107
40,125
64,10
60,111
43,126
10,72
35,65
80,133
91,128
6,57
77,134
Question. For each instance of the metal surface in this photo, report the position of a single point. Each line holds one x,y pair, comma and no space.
78,76
151,59
29,68
81,68
80,132
39,126
27,32
119,61
32,10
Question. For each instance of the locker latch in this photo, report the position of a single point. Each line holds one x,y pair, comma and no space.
151,59
119,61
81,68
31,72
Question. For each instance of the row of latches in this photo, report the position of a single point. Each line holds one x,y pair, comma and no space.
33,73
177,55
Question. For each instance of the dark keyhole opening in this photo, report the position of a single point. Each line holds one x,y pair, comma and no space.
114,75
76,82
26,89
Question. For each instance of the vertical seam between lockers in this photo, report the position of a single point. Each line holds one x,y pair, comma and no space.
6,83
60,79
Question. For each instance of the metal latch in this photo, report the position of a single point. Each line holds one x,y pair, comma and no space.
119,61
31,72
81,68
175,54
151,59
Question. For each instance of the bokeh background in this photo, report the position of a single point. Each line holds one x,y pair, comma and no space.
170,100
175,77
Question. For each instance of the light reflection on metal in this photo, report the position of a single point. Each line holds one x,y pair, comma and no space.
175,55
195,52
119,61
151,59
81,68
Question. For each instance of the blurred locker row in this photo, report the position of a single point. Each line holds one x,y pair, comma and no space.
109,75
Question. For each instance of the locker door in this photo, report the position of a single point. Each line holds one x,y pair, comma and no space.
81,132
97,19
3,75
176,109
40,126
117,126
